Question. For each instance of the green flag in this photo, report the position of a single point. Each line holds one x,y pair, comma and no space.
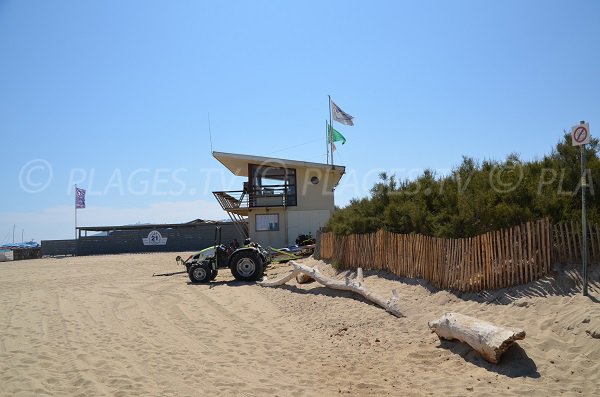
336,136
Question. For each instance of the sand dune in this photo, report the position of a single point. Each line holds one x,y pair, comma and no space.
104,326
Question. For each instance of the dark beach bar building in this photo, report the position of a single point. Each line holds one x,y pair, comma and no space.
101,240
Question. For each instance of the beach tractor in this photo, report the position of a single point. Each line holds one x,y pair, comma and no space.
247,263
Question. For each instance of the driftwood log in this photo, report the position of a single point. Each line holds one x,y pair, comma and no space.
302,278
347,284
489,340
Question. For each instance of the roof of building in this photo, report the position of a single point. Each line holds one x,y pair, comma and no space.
16,246
238,163
195,222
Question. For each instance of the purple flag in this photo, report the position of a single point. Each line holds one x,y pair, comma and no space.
79,198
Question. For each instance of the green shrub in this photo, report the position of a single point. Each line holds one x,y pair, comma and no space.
477,197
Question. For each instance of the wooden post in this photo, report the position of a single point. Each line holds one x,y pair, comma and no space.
475,265
483,259
592,242
419,256
498,263
545,258
542,247
410,258
400,254
434,263
422,255
426,257
557,244
489,256
484,263
471,265
493,260
437,259
513,261
460,275
456,265
507,257
597,240
520,255
460,260
450,264
446,263
549,239
567,242
577,239
547,255
467,264
500,259
394,250
527,251
538,250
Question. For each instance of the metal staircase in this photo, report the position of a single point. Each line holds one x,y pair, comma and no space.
235,209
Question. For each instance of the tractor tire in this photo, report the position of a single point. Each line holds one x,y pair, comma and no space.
246,266
200,273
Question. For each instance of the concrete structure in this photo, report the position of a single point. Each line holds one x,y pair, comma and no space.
6,255
281,199
18,254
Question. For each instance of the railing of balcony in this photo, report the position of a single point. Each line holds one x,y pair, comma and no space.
264,196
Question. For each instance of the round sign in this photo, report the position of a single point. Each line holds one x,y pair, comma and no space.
580,134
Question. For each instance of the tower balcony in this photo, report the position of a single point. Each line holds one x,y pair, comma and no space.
241,201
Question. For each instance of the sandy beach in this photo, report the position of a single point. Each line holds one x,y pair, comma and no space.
103,326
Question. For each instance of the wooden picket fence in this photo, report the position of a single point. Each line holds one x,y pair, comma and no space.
567,237
493,260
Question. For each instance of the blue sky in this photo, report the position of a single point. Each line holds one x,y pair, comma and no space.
115,95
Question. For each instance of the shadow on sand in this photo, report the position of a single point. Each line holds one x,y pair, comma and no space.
565,281
514,363
333,293
216,284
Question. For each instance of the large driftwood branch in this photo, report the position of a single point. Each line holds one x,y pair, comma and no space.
486,338
347,284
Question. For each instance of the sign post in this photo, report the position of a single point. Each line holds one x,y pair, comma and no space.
580,135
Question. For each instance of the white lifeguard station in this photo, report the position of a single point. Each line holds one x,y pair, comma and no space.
281,199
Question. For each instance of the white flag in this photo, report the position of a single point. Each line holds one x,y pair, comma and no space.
340,116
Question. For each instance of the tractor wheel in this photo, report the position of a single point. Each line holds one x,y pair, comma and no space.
214,274
200,273
246,266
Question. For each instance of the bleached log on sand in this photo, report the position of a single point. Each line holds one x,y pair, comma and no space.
490,340
280,281
347,284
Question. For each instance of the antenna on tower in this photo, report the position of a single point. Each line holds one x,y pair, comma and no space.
210,134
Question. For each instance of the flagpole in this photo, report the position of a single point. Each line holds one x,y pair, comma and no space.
329,130
326,141
75,212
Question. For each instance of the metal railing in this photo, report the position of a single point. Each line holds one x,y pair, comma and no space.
265,196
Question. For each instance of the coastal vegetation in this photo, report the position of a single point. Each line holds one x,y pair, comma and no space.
478,196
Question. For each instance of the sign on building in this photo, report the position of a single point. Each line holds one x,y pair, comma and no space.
154,238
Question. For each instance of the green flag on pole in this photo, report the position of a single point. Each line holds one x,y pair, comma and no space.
336,136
